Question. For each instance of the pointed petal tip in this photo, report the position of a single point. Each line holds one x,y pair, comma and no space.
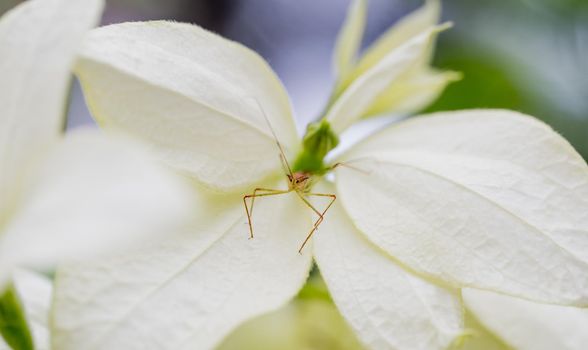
443,27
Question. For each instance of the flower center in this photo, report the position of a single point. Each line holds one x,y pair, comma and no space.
318,141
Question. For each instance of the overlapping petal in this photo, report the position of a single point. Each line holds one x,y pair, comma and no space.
349,39
527,325
191,291
92,193
198,98
489,199
407,28
387,306
38,42
356,100
414,92
393,76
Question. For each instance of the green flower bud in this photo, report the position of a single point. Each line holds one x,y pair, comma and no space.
317,142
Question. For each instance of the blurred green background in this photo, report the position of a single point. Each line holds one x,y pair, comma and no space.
530,56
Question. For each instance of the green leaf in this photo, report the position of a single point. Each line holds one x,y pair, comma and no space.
13,325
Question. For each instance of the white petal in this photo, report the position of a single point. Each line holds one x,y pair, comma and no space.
193,95
356,100
35,292
527,325
484,198
413,93
349,38
407,28
190,292
38,43
387,306
93,193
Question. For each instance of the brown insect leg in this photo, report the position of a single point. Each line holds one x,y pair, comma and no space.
249,211
346,165
321,215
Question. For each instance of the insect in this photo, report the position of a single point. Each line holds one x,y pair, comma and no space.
299,182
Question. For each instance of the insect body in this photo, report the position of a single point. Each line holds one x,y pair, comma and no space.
299,182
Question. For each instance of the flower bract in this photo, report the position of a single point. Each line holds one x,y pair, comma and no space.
486,199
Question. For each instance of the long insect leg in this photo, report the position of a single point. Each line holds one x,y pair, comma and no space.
249,210
321,215
347,165
309,204
333,198
267,190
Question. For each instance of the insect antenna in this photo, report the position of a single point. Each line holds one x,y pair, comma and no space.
283,159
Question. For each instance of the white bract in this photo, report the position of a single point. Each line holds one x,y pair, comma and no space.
488,199
66,197
393,75
527,325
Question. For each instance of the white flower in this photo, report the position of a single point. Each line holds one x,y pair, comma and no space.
66,197
485,198
393,75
